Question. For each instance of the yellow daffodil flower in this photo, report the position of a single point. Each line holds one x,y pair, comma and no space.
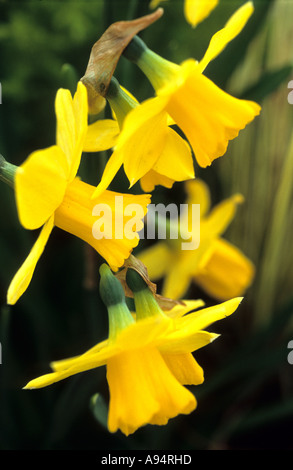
147,147
208,116
49,194
195,11
217,266
145,382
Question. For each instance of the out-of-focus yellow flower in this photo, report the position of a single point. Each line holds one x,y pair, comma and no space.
48,192
195,11
147,147
208,116
148,359
217,266
101,135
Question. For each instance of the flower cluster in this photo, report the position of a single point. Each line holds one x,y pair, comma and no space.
149,351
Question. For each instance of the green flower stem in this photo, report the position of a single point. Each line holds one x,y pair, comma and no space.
120,102
146,305
134,281
113,296
111,289
135,49
7,172
158,70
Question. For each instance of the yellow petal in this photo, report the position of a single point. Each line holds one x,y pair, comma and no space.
24,275
143,138
157,259
181,310
71,115
221,216
45,380
65,132
197,10
63,364
227,273
80,112
232,28
111,169
218,118
81,364
101,135
183,341
177,280
198,193
143,391
40,184
146,331
186,264
116,250
196,321
152,179
185,368
175,162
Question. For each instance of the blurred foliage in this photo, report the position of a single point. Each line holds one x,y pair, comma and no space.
246,400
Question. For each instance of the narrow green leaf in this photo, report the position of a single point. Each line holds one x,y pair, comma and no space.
99,409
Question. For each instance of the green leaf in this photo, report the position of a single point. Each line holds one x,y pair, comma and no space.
99,409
